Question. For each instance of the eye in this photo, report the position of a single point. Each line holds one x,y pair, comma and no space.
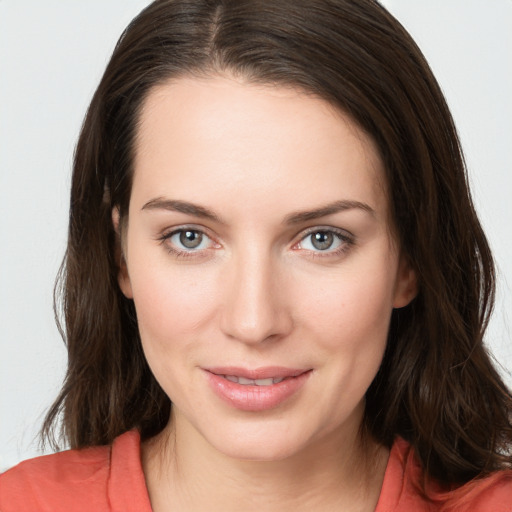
187,241
325,240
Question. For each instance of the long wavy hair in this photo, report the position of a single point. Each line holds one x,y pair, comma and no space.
437,386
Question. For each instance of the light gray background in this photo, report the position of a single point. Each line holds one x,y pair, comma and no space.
52,55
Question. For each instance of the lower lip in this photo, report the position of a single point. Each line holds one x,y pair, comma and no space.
256,398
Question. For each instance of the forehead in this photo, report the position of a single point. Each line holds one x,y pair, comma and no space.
202,137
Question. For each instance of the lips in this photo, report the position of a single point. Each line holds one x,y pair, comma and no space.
254,382
256,390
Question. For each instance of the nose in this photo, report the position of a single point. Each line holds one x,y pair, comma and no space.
255,307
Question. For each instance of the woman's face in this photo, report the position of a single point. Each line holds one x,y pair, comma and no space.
260,259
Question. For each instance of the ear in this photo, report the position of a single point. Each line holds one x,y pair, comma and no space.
406,287
123,277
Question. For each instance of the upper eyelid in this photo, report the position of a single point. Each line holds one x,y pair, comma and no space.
166,233
165,239
346,239
314,229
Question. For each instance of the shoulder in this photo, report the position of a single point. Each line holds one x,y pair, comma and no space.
492,493
401,490
56,482
75,480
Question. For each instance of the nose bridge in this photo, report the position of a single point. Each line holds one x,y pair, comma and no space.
254,310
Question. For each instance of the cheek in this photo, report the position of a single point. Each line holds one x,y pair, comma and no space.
171,302
172,308
353,310
349,323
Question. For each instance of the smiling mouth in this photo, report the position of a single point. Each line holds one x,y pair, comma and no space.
263,376
256,390
254,382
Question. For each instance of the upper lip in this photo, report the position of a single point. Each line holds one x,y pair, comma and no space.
264,372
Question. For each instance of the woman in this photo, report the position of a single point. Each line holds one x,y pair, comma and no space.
271,228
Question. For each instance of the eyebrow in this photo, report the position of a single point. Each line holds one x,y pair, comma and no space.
293,218
330,209
182,207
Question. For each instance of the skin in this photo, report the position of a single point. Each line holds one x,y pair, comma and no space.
257,292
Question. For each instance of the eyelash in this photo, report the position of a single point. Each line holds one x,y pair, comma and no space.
345,239
184,254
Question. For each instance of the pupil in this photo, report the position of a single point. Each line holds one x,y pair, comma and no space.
322,240
190,239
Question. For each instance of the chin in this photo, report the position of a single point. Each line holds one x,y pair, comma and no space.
261,451
264,441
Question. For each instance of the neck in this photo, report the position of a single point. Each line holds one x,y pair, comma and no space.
340,472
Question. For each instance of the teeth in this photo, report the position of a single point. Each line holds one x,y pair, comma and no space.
243,380
254,382
264,382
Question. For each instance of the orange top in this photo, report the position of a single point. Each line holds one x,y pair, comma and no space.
111,479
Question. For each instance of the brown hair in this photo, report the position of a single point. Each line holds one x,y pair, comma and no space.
436,387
